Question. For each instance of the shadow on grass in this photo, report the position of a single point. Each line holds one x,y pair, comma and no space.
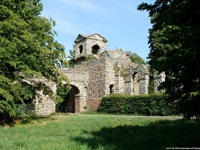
155,136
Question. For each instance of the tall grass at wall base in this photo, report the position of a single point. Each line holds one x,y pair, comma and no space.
153,104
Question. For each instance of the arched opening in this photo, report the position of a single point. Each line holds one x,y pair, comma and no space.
81,49
111,88
70,105
135,83
68,95
95,49
63,92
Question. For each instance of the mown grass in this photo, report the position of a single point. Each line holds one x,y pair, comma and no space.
109,132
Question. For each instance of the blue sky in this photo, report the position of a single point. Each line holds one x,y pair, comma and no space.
118,21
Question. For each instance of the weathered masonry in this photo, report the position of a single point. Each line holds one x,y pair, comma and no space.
99,72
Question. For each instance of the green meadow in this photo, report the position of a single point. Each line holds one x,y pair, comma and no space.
100,132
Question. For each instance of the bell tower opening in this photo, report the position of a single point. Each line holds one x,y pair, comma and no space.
95,49
89,44
81,49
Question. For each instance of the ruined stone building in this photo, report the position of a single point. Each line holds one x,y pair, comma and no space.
100,72
158,79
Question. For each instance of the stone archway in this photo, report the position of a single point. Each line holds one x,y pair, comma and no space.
70,105
76,102
78,93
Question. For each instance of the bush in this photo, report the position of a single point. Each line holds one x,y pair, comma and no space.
154,104
24,110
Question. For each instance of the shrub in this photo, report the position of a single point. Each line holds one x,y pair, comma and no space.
154,104
24,110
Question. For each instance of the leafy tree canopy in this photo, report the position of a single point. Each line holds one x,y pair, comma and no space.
71,58
175,49
136,58
27,49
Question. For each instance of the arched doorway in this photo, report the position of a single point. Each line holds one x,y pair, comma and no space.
70,105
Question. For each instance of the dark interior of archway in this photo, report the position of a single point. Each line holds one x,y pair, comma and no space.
135,82
68,95
70,106
95,49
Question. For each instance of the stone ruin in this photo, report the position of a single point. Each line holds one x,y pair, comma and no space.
158,79
44,104
98,72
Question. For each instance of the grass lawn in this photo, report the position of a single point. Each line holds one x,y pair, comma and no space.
102,132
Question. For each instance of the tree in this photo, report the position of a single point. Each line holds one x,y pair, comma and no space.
136,58
64,93
175,49
27,49
71,57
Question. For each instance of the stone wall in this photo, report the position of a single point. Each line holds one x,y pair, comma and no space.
119,79
143,76
44,104
80,104
96,84
125,76
93,104
158,79
109,77
89,78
